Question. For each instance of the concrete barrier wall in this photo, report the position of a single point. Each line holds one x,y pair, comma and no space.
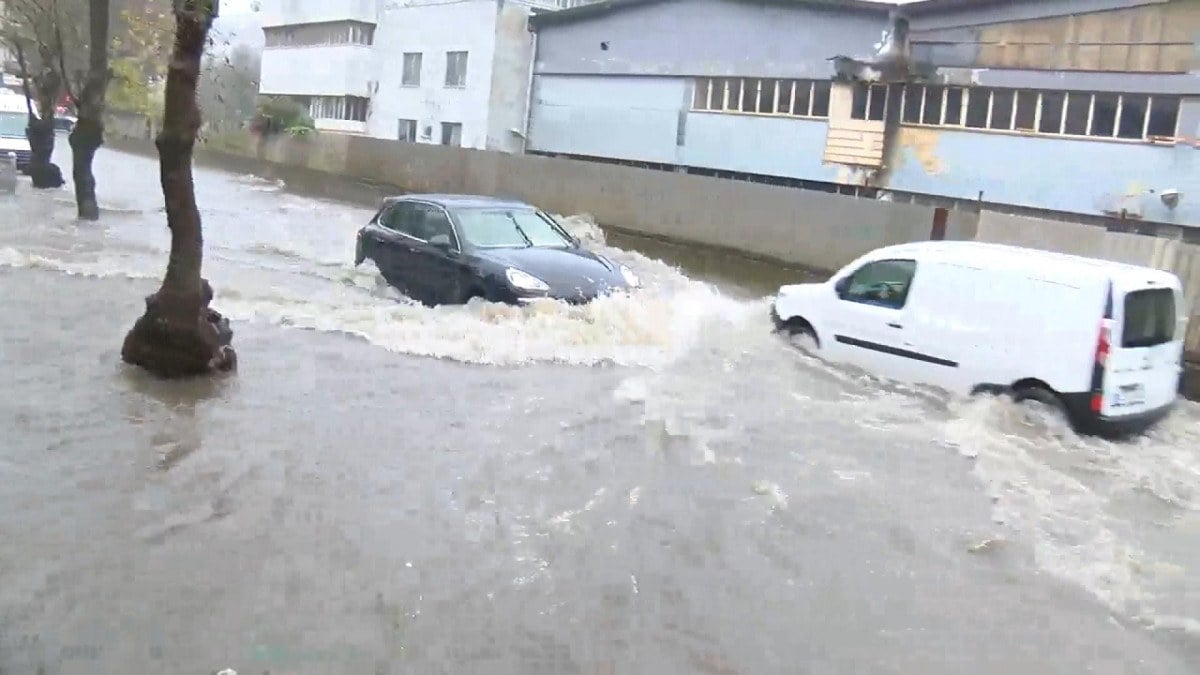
812,229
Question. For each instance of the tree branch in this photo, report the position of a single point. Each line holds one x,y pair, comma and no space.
62,60
24,79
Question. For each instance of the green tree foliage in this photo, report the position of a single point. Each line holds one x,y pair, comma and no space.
282,114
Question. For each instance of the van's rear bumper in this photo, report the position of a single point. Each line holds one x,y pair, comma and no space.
1088,422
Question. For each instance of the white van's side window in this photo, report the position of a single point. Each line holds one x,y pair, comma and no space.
883,282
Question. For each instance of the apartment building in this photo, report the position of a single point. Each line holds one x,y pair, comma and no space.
1072,106
450,72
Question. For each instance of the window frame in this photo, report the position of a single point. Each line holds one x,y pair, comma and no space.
717,99
1068,98
848,281
452,125
420,64
465,64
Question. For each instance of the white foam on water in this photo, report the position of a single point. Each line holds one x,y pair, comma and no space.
1058,489
306,280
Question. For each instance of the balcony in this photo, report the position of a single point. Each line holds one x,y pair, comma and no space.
293,12
336,70
341,126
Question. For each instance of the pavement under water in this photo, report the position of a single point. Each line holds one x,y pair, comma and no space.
647,484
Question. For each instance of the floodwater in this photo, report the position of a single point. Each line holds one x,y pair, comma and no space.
649,484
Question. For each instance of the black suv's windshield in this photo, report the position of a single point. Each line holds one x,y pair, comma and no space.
495,228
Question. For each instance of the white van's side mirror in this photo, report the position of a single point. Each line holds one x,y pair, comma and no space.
842,286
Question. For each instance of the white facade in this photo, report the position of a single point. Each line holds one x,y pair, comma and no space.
347,60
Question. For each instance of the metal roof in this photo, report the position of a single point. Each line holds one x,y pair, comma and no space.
606,6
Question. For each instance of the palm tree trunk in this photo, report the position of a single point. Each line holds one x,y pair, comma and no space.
179,335
88,134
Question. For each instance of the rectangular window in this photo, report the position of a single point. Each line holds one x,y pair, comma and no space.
789,93
1164,116
1002,109
700,89
452,134
1132,123
820,98
351,108
870,102
411,75
978,104
914,97
407,131
954,106
1079,113
1025,118
734,90
1149,318
1124,116
1053,104
933,105
1104,115
762,96
456,69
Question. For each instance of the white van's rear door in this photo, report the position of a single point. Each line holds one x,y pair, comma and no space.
1142,369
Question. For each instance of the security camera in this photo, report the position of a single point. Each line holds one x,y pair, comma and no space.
1170,197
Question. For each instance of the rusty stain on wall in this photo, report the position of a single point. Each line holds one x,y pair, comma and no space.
922,144
1157,38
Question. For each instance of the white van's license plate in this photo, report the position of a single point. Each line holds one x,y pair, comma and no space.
1130,394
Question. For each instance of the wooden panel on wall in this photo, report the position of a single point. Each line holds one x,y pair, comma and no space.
1150,38
850,141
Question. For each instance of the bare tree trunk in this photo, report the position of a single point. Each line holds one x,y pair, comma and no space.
88,134
179,336
39,131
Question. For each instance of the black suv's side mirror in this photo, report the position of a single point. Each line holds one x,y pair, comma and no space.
441,241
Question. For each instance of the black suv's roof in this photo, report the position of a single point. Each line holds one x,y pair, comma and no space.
462,201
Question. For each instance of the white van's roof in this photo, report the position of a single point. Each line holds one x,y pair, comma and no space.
1048,264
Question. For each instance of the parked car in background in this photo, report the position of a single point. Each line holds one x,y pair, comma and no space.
1099,341
448,249
65,122
14,118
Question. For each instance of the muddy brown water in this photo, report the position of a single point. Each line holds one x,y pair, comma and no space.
654,484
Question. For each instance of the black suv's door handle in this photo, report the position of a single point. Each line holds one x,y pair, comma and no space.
895,325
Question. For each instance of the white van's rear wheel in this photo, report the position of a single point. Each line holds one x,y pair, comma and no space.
1043,405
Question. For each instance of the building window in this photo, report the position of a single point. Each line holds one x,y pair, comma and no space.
761,96
870,102
452,134
351,108
411,76
456,69
1135,117
320,34
407,131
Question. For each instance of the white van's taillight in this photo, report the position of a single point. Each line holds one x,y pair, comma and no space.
1104,343
1103,347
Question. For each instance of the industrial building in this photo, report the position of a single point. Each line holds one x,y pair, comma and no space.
1085,108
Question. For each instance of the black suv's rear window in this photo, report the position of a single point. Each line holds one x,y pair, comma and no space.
1149,318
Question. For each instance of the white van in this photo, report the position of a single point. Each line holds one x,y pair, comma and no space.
14,118
1100,341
